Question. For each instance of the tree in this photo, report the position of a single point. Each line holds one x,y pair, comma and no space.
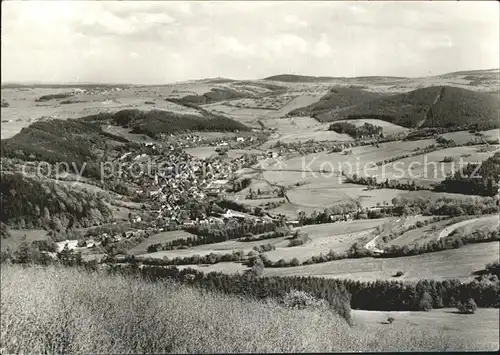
468,307
23,254
295,262
425,303
301,299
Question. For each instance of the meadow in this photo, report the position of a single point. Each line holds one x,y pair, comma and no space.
449,264
354,162
443,229
162,237
68,311
432,167
481,325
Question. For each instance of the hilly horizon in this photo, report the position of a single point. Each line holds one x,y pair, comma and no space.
434,106
277,77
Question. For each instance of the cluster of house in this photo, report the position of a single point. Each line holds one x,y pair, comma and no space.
194,140
96,90
171,178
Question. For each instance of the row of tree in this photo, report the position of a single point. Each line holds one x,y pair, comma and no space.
216,233
475,179
366,130
374,295
451,242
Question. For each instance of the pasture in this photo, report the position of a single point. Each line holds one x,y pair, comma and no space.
353,163
470,327
462,137
443,265
448,264
442,229
481,224
431,167
162,237
325,237
485,223
202,152
17,236
322,195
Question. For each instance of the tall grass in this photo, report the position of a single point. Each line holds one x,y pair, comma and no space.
63,310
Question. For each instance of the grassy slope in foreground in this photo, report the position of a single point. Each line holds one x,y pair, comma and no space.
66,311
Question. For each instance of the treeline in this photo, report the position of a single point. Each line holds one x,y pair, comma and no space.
241,184
214,95
53,96
411,205
409,185
376,295
330,290
154,123
474,179
493,268
428,149
443,205
34,203
451,242
282,232
357,251
355,131
215,234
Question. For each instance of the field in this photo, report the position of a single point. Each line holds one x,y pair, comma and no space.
430,168
462,137
202,152
318,195
449,264
481,325
99,313
16,236
339,243
486,223
442,229
162,237
324,237
355,161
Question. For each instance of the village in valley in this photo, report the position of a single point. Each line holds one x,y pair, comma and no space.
245,210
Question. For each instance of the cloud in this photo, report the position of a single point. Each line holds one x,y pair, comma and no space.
322,47
231,46
295,21
186,40
435,42
285,43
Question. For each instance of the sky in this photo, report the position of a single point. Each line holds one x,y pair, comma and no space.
142,42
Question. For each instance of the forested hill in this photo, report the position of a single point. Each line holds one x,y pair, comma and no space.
436,106
78,141
475,179
29,202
